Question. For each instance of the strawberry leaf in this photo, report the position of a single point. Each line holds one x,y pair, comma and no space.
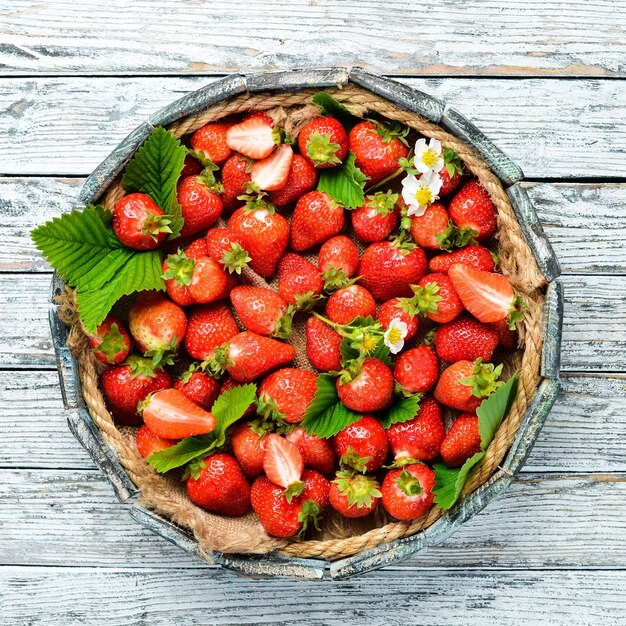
402,411
449,481
230,407
344,184
183,452
154,170
326,415
329,106
493,409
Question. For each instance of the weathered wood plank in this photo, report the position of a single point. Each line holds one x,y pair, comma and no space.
518,38
550,128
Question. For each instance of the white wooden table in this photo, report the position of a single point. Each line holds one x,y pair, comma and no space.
545,79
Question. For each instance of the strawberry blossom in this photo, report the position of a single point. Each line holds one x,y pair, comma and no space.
394,335
418,193
428,157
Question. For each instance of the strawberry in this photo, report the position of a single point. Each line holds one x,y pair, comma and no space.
421,437
316,218
287,393
432,229
436,298
451,173
354,495
262,310
417,370
209,281
225,247
272,172
249,448
338,261
472,209
251,356
263,234
407,493
191,167
323,345
476,256
283,464
465,339
177,273
171,415
198,387
139,223
462,441
302,178
210,326
111,342
201,206
363,446
346,304
487,296
464,384
371,389
220,486
229,383
254,137
211,141
377,218
148,442
236,174
197,248
324,142
157,325
125,386
299,281
507,338
377,149
317,453
393,310
388,269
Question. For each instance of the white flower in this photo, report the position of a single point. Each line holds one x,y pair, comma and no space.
394,336
418,193
428,158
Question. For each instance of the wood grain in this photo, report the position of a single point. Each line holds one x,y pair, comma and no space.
574,38
551,128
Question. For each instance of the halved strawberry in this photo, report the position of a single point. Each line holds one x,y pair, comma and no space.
272,172
253,138
283,464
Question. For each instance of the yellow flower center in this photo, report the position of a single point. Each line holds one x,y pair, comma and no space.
429,158
394,335
424,196
368,343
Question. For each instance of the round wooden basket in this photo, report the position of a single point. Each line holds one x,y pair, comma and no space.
526,257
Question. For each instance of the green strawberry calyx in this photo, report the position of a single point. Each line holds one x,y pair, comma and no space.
382,202
351,460
484,379
140,366
424,301
321,150
310,515
452,162
304,302
409,484
155,224
358,488
165,354
112,343
255,199
235,259
272,419
516,315
179,268
294,490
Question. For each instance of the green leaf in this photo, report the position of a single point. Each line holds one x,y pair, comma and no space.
493,410
402,411
329,106
154,170
230,407
344,184
449,481
182,453
326,415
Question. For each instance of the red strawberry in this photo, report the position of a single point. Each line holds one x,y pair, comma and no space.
299,281
417,369
302,179
354,495
437,298
317,453
201,207
475,256
421,437
209,281
211,140
377,150
191,166
111,342
210,326
248,448
156,324
226,248
388,269
507,338
346,304
139,223
363,446
462,441
487,296
393,310
262,310
171,415
229,383
431,229
220,486
472,208
250,356
464,384
324,142
465,339
125,386
377,218
283,464
264,235
199,387
370,390
271,173
338,261
197,248
177,273
452,172
254,137
236,174
148,442
407,493
323,345
316,218
287,393
260,115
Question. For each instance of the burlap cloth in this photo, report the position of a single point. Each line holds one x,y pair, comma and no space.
340,537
